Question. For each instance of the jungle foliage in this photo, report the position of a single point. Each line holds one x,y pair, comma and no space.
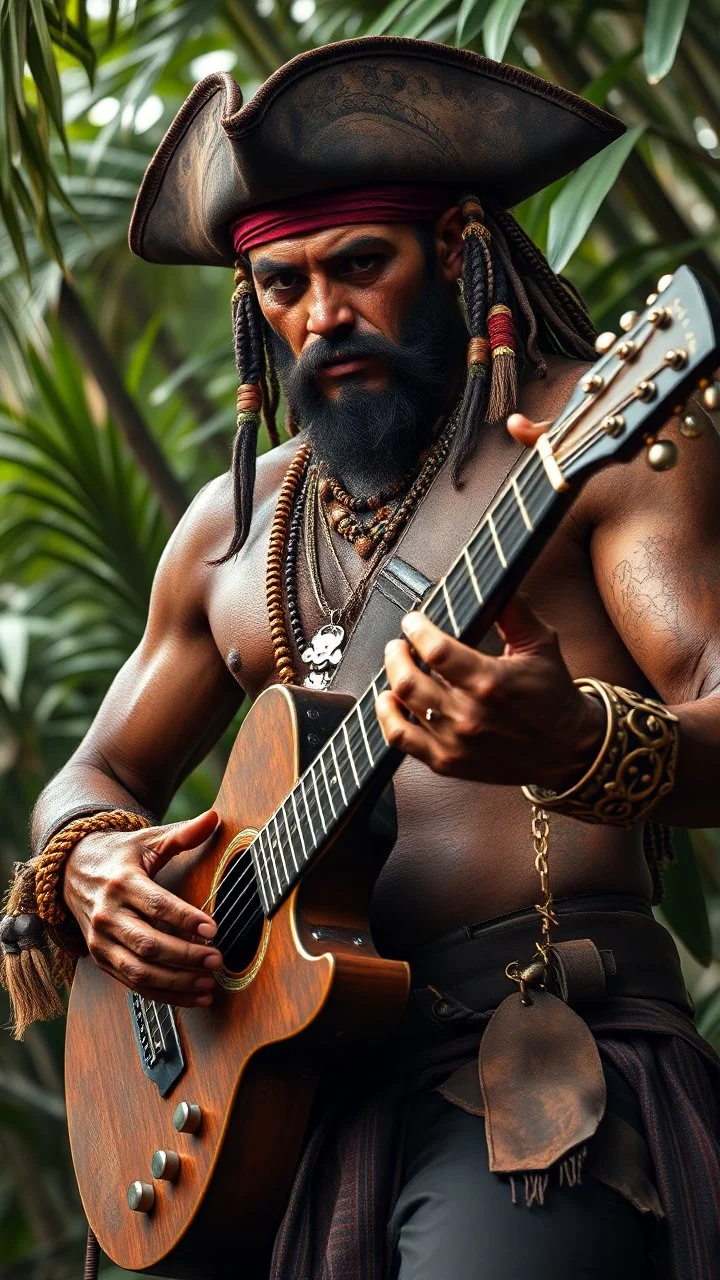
117,384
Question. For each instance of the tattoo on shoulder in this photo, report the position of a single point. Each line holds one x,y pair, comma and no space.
644,590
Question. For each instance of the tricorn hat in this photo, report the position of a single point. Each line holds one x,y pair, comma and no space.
373,110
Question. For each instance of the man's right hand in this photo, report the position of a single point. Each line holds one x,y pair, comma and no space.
135,930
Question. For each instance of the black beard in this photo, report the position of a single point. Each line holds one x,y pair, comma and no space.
370,439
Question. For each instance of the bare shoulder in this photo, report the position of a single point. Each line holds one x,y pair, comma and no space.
204,532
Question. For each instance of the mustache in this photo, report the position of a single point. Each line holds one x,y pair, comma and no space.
417,360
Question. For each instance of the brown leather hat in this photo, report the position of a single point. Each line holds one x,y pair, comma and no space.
373,110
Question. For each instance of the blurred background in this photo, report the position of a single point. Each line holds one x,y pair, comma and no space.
117,384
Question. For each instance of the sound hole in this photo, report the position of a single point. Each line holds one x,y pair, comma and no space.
239,914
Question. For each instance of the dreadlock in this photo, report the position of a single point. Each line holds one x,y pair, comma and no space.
258,395
509,292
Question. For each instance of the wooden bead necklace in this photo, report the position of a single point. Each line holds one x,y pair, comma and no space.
325,649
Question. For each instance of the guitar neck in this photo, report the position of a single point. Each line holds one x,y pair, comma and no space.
357,758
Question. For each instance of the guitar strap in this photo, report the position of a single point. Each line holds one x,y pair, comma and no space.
439,528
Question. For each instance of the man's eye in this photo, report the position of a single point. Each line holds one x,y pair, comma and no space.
287,280
363,262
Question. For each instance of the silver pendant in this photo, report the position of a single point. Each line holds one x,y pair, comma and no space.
322,655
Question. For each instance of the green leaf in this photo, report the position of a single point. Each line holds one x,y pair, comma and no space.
470,20
684,905
499,25
583,193
13,657
419,15
664,22
386,18
599,88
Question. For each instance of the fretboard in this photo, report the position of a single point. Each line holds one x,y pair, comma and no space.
473,590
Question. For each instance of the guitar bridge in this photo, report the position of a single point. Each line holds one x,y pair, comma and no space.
157,1041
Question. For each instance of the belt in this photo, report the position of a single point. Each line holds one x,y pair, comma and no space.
609,945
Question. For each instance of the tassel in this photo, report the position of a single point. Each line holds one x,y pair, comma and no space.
504,382
26,971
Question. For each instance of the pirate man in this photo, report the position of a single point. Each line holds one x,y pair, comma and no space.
383,288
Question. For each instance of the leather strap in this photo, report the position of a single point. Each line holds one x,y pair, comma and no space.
579,971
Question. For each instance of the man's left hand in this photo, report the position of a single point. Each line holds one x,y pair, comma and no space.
513,720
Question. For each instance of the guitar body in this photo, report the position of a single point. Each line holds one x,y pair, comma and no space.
308,985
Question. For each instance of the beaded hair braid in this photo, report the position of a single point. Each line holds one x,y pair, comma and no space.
515,307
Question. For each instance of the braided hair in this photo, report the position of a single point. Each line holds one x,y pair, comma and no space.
515,308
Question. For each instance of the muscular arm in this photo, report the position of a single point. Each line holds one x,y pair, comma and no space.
171,700
655,545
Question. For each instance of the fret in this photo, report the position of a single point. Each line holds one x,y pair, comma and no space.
337,771
375,691
521,504
361,718
317,797
291,842
370,721
307,810
496,540
260,879
278,841
538,494
327,785
350,754
299,825
361,768
451,614
473,576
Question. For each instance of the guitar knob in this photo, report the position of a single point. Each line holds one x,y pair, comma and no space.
165,1165
664,282
187,1117
711,397
627,320
662,455
140,1197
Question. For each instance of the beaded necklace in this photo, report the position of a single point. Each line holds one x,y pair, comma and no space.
324,651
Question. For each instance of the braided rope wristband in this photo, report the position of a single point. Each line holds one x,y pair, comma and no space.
51,860
634,768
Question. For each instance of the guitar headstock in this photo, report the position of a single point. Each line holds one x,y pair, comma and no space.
644,376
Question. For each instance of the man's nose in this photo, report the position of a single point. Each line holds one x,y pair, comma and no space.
328,310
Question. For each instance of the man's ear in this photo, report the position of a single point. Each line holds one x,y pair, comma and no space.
449,244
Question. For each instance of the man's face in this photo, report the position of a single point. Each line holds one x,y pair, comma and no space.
366,333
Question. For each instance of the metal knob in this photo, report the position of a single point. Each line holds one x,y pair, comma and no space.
662,455
627,320
187,1117
141,1197
165,1165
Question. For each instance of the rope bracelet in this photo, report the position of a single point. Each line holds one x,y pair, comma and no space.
634,767
51,860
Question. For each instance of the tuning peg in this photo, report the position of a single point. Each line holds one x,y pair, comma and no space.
664,282
651,299
691,427
662,455
627,320
711,397
594,382
604,342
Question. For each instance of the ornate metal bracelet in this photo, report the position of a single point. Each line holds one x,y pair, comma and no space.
634,767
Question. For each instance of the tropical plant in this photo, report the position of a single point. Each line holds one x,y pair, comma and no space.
118,385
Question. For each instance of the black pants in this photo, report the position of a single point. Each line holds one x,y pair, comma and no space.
455,1220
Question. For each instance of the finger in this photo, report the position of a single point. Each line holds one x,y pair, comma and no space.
522,629
181,836
163,908
156,982
412,739
524,430
152,945
457,663
414,688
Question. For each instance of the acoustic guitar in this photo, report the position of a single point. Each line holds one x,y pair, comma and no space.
186,1125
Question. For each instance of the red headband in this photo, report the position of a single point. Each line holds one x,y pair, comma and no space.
396,202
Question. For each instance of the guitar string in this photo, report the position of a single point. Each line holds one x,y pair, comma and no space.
247,874
488,556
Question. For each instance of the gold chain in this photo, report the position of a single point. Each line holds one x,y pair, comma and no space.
541,836
535,973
